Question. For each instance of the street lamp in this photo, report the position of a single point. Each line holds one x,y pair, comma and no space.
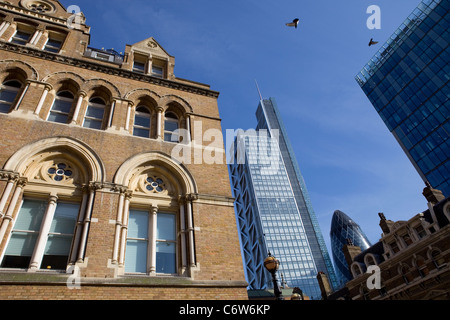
272,264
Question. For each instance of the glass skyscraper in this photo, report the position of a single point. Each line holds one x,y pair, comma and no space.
407,81
343,229
273,209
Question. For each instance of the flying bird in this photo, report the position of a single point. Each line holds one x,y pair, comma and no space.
294,23
371,43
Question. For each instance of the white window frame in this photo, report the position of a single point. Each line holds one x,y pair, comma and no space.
43,239
152,240
138,113
98,106
177,121
14,38
12,89
61,99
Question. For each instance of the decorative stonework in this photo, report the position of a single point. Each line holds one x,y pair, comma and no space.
96,67
39,6
59,171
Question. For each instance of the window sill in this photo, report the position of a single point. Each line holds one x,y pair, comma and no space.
22,277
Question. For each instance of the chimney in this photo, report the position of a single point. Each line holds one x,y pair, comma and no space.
385,224
433,196
324,285
350,252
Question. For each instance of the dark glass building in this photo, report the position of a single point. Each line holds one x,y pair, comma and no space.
273,208
407,81
343,229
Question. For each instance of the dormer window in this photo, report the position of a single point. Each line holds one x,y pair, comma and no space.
158,67
157,72
139,64
53,45
21,37
55,41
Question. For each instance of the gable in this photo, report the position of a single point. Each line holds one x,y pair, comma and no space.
152,47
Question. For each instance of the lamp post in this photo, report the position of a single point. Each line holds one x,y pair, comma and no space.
272,264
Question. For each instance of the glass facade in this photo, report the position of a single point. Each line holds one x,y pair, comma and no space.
407,82
343,228
273,209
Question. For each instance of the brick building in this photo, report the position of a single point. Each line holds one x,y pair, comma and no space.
92,203
410,262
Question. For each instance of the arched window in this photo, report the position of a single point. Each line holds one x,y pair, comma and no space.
170,127
152,239
44,228
437,258
56,178
370,260
95,114
356,269
142,119
157,211
61,107
141,242
406,275
422,267
8,94
28,244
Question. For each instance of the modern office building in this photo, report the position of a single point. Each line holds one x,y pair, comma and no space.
344,231
273,209
407,81
92,203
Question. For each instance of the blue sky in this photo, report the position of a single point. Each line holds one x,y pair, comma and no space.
349,159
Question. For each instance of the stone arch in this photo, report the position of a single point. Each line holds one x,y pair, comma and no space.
76,151
93,84
26,71
166,166
142,93
59,77
175,102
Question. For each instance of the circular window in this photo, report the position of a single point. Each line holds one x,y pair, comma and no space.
43,7
60,172
154,184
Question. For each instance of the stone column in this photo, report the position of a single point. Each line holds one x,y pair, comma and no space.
16,107
159,123
12,206
188,128
12,178
152,239
124,228
38,252
5,25
127,121
79,228
87,220
81,96
47,89
190,229
119,225
183,236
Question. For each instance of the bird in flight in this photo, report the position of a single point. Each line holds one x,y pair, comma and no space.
371,43
294,23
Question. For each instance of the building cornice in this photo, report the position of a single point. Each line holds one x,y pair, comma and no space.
97,67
